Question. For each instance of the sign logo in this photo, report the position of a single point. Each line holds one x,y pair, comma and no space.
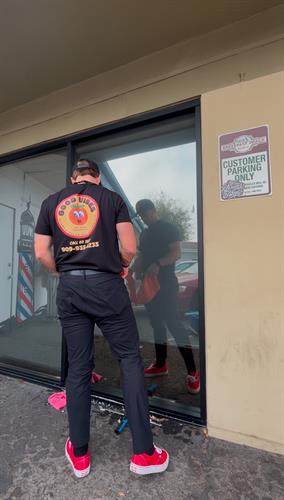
77,215
244,144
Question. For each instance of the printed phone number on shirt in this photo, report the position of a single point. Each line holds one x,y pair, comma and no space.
78,248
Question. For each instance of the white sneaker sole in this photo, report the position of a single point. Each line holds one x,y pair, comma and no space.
193,391
149,469
78,473
149,375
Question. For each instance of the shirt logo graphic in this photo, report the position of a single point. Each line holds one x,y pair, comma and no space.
77,215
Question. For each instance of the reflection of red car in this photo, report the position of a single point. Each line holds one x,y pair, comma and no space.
188,289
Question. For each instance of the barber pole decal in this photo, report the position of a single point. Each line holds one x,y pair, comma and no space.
25,292
25,288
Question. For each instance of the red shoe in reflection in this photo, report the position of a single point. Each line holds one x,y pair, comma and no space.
154,371
193,382
144,464
96,377
81,465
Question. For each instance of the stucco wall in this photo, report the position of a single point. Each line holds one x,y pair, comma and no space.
244,279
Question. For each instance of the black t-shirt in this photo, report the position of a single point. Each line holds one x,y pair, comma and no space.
154,244
82,219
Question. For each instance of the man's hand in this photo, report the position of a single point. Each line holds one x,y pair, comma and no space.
127,242
153,269
124,272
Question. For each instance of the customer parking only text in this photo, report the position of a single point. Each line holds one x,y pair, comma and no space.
243,169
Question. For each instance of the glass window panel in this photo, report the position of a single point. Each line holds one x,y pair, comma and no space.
158,162
30,335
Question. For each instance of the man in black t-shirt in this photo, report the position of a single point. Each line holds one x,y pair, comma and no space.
159,250
93,244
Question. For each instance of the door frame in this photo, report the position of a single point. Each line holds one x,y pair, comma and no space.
13,251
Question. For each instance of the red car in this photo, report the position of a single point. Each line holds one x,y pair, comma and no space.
188,288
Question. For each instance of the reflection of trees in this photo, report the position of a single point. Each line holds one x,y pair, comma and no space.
174,212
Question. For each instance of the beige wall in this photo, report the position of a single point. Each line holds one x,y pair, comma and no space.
243,239
244,275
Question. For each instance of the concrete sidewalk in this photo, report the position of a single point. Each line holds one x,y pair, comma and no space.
33,465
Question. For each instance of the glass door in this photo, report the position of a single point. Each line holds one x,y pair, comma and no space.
158,162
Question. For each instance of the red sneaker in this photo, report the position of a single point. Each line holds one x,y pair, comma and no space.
193,382
96,377
80,465
154,371
150,464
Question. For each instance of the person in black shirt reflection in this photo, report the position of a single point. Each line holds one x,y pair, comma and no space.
159,250
94,242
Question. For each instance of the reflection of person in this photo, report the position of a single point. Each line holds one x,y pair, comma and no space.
85,222
159,250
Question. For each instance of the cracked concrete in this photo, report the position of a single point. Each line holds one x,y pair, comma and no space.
33,465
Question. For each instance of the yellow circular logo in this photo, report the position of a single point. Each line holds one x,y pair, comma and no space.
77,215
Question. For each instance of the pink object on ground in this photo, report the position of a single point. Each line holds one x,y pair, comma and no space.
57,400
95,377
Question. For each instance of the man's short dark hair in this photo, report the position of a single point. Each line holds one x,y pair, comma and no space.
86,167
144,205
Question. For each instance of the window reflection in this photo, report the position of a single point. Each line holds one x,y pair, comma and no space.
30,335
158,163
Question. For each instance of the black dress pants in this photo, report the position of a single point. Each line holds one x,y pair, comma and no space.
163,313
101,299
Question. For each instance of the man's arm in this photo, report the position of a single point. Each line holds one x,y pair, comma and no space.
127,242
43,251
171,257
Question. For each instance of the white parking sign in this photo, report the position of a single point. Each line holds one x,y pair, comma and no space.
245,163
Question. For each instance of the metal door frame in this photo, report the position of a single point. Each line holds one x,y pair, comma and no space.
13,250
69,142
